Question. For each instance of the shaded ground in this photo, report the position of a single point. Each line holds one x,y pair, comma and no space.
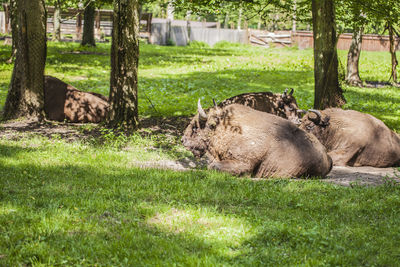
174,126
379,84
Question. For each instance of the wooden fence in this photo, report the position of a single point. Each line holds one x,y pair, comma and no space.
72,22
304,39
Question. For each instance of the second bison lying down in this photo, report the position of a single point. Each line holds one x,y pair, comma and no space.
64,102
283,105
353,138
241,140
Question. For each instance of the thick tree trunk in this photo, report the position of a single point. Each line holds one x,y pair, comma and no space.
353,58
327,90
124,65
393,52
88,25
57,22
25,94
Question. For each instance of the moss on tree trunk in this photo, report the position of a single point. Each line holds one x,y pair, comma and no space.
327,90
124,65
25,94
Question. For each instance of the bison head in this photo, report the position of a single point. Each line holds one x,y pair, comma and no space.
287,105
196,136
315,122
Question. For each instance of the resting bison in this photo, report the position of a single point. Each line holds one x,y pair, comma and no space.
65,102
241,140
283,105
353,138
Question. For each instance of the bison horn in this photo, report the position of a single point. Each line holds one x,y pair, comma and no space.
202,113
215,103
316,112
291,91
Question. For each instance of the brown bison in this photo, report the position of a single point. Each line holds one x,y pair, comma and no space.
241,140
353,138
283,105
64,102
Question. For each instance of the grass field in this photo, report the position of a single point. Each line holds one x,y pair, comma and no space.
85,203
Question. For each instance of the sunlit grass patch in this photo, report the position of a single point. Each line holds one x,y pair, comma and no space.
203,223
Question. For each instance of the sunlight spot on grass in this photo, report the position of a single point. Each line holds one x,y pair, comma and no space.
6,210
204,224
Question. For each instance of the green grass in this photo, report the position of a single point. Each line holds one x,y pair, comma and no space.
85,203
77,204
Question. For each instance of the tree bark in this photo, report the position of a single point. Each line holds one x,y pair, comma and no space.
57,22
393,52
327,90
88,25
124,65
25,94
353,58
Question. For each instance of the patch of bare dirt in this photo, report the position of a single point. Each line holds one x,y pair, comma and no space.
67,131
173,126
365,175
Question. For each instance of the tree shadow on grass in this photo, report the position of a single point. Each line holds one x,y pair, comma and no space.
78,211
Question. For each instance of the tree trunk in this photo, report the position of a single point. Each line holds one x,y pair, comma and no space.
239,22
393,52
327,90
294,22
14,29
88,25
353,58
57,22
124,65
226,21
25,94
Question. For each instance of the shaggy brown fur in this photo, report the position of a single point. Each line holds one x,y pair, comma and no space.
353,138
283,105
241,140
64,102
